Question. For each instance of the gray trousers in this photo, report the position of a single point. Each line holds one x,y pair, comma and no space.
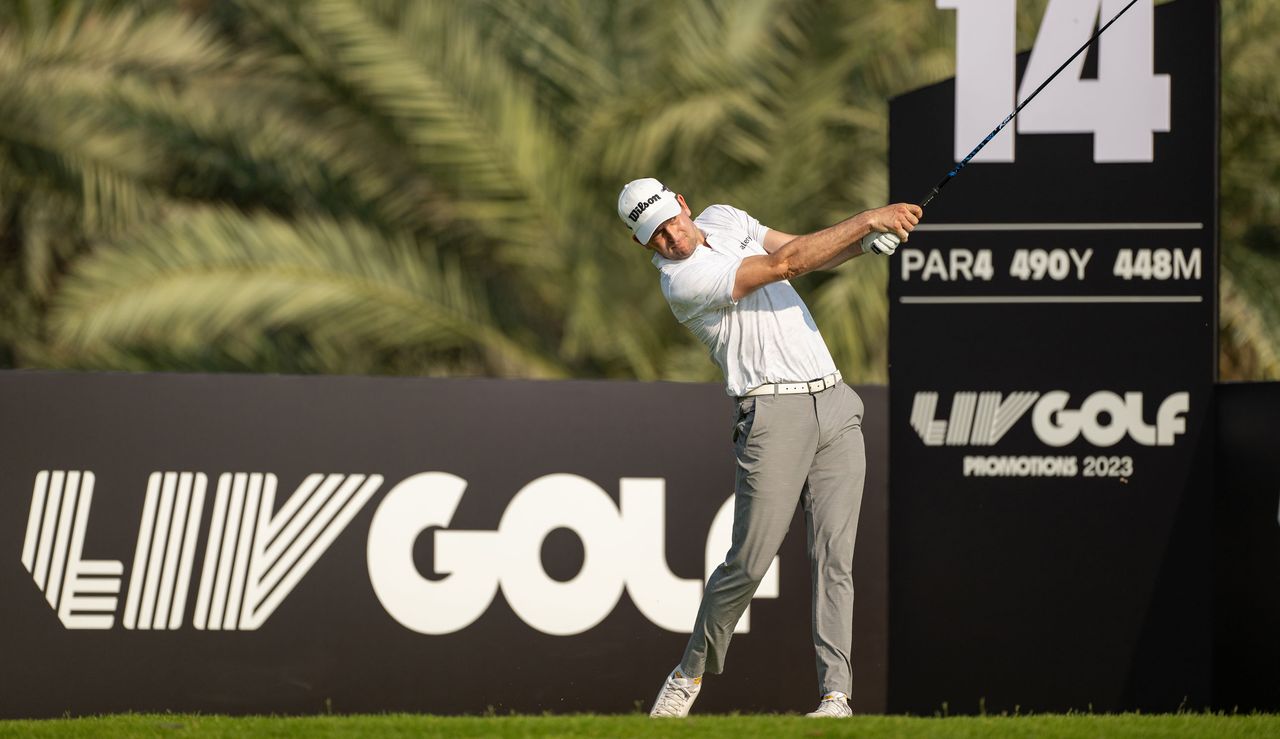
790,448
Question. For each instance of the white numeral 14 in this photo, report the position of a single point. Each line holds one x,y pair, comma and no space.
1122,108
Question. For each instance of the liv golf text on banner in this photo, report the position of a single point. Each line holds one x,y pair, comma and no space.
284,544
1052,350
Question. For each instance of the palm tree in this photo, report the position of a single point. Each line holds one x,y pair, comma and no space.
395,186
1250,152
168,151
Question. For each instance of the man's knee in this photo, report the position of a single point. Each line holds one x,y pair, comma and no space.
750,571
836,570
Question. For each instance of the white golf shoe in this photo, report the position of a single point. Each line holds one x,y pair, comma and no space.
676,697
833,705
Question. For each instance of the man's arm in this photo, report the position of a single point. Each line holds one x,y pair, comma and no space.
800,255
775,240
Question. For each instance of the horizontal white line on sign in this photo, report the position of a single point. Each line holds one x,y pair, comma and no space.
952,299
1060,227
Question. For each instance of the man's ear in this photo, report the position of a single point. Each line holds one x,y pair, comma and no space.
633,238
683,205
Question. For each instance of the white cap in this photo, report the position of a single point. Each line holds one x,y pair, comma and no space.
644,204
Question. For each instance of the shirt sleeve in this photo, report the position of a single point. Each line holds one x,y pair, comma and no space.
700,286
754,228
729,216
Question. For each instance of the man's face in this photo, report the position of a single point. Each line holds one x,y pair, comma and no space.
676,237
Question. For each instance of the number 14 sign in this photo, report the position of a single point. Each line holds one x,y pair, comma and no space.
1122,107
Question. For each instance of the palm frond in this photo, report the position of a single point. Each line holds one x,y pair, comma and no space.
52,134
54,143
1250,157
1250,341
458,111
214,275
126,41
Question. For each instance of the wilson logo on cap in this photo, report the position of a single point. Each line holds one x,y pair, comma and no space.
634,215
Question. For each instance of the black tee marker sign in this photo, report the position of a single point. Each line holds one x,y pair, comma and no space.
1052,354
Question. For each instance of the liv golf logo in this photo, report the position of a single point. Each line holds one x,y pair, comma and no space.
255,555
1103,419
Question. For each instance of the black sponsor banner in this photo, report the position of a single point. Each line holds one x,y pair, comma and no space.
1052,354
282,544
1246,644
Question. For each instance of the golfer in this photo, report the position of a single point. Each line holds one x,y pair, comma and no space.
797,433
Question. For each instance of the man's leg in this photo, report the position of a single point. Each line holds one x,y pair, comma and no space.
832,500
774,440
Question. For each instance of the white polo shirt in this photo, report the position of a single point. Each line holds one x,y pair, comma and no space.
769,335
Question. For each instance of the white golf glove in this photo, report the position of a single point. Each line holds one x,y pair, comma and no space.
883,244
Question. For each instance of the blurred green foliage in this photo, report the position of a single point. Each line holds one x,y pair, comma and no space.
405,187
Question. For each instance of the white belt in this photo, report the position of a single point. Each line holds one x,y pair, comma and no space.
796,388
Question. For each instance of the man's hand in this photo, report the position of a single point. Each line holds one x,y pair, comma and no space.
890,226
898,219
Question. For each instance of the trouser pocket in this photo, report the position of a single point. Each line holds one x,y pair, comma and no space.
743,419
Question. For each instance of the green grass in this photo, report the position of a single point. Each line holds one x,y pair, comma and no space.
733,727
